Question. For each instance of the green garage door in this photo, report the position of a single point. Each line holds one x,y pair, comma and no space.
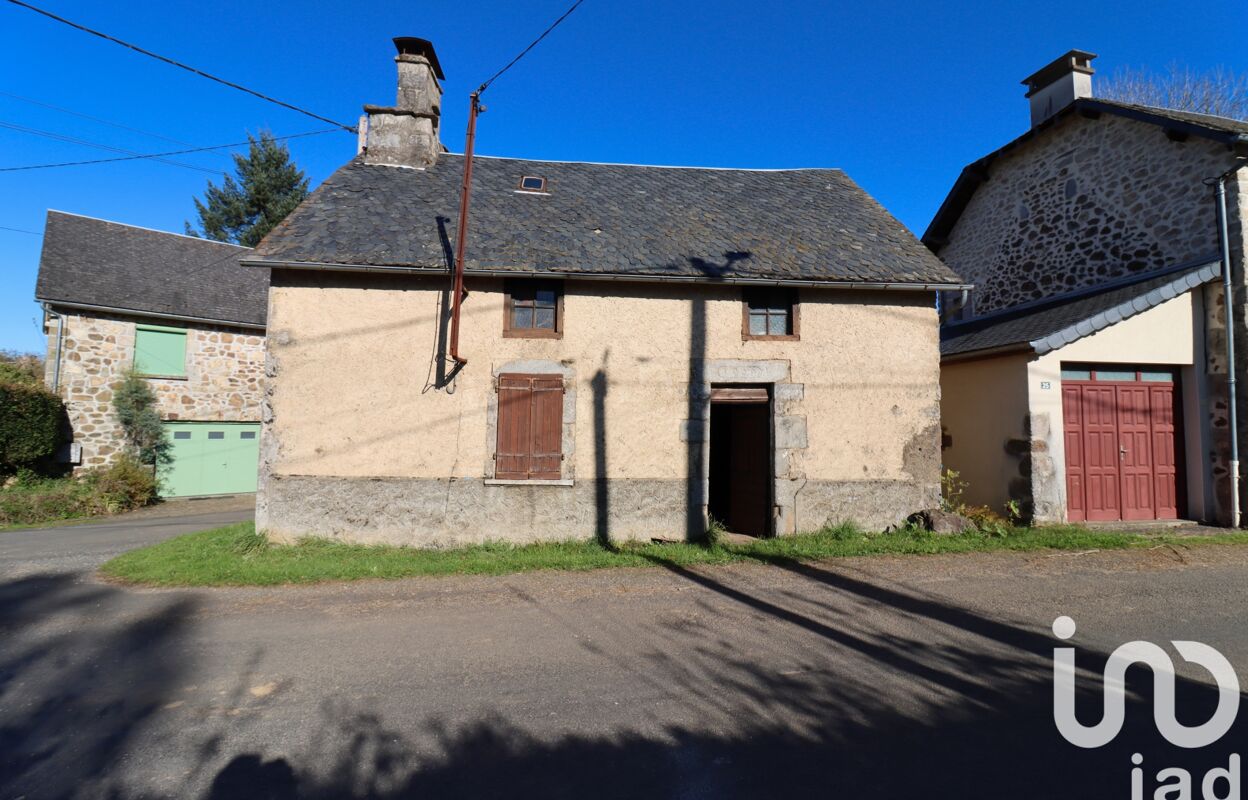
212,458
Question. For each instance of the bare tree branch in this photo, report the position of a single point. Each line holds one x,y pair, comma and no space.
1221,92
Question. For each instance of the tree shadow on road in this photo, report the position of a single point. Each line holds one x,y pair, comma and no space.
935,700
79,676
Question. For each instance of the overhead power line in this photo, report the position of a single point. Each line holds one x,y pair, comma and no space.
94,119
19,230
523,52
158,156
60,137
180,65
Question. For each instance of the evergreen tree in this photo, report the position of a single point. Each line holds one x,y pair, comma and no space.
268,187
135,405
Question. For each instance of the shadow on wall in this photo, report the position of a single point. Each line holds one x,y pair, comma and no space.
921,697
698,415
602,486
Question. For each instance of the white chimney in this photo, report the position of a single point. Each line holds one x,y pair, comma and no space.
1059,84
406,134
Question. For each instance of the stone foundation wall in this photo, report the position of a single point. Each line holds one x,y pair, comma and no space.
224,370
454,513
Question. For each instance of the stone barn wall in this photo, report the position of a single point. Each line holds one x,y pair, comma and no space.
1089,201
224,369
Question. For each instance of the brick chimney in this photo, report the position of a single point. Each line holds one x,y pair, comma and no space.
1059,84
406,134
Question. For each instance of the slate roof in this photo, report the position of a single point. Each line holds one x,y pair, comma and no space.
635,222
1231,132
94,262
1056,322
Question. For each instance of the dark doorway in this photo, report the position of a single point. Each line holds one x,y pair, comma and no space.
740,486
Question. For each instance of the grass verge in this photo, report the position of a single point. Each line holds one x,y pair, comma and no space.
236,555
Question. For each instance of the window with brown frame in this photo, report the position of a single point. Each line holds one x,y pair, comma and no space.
530,427
533,309
770,313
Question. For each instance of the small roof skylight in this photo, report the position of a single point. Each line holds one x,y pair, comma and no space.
532,183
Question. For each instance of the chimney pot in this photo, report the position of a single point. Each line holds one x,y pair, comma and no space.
1058,84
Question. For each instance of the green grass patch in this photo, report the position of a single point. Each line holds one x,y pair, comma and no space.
237,555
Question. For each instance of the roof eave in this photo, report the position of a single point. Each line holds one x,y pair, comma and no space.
987,352
1126,310
929,286
135,312
1070,334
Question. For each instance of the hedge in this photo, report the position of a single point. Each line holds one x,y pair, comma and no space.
30,424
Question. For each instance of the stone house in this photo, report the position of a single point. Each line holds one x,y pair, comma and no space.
181,311
1084,377
646,347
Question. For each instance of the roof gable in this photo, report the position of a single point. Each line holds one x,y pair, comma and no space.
606,220
1177,124
94,262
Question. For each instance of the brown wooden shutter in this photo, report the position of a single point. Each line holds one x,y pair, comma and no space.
515,398
530,427
547,426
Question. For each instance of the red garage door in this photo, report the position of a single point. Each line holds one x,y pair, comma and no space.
1122,444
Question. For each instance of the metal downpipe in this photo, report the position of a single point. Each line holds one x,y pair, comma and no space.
1228,304
60,339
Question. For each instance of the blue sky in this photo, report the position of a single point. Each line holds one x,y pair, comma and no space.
898,94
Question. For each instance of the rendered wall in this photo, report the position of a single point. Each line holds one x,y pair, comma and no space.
983,406
224,368
356,416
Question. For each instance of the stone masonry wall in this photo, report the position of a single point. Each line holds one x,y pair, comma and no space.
1088,201
224,371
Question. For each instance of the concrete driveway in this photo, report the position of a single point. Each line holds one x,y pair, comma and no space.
887,677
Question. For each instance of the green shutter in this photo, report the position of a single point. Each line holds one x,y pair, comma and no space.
160,351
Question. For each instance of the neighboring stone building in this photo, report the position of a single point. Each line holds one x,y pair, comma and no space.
1084,377
181,311
645,346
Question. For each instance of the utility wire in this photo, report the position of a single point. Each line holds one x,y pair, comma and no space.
180,65
19,230
158,156
60,137
94,119
481,89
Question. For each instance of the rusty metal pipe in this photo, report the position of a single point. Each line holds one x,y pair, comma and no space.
461,231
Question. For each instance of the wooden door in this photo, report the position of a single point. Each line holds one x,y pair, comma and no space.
750,459
1123,445
1165,450
1100,452
1135,452
1072,428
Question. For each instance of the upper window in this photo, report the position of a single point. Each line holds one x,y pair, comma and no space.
770,314
532,183
160,351
534,309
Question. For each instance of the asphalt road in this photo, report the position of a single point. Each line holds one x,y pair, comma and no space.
889,677
86,545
